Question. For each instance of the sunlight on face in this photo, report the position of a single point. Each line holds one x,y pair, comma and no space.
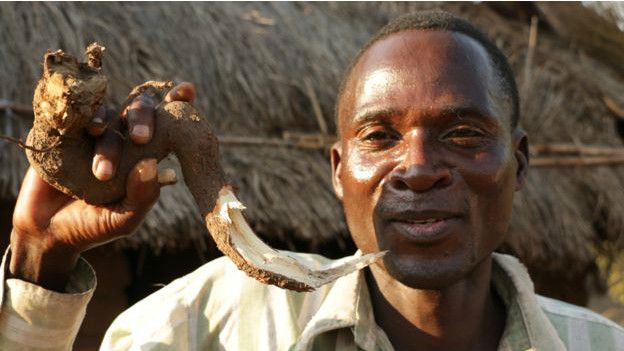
378,80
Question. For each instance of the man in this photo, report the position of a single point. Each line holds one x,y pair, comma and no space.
427,163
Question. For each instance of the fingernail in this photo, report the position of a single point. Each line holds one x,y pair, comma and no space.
147,171
104,169
96,130
99,117
167,176
140,131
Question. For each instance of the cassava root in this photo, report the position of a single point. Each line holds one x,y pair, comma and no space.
69,94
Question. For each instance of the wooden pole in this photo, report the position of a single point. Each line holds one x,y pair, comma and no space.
528,62
542,155
20,109
543,162
571,149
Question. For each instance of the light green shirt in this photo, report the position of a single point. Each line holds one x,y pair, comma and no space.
217,307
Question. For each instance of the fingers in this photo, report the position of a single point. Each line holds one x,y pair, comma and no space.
184,91
140,119
142,191
121,219
99,122
142,188
140,113
107,153
139,116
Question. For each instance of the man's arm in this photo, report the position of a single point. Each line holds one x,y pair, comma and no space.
48,286
51,229
35,318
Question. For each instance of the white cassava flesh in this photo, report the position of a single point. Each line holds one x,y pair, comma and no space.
253,256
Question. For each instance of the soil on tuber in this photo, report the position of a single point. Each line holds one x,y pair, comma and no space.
66,98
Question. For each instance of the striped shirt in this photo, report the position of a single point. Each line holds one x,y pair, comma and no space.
219,308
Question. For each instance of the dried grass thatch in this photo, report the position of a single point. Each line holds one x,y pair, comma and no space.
264,69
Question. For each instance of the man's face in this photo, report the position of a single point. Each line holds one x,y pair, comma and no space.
427,163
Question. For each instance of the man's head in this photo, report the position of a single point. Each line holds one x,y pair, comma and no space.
441,20
429,155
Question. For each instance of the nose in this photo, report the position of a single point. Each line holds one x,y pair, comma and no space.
421,167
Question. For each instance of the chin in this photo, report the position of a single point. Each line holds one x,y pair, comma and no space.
428,273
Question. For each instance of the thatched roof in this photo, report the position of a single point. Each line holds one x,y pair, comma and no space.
266,69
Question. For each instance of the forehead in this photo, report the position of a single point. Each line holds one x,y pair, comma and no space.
420,70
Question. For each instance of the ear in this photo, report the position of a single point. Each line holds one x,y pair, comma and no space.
521,153
336,158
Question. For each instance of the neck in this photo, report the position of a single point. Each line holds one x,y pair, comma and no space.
464,316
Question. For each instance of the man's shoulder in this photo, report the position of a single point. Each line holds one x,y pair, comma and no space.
211,299
578,324
569,311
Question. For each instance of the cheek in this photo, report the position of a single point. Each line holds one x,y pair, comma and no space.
489,171
361,171
365,172
491,178
362,178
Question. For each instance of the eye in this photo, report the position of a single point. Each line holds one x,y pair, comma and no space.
466,136
378,137
464,132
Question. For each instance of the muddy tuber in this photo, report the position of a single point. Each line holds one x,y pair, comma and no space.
69,94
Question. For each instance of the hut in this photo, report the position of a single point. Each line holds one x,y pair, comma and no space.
267,75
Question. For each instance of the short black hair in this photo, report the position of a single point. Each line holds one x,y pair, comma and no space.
442,20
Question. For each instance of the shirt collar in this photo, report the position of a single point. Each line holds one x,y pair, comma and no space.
348,305
527,326
337,311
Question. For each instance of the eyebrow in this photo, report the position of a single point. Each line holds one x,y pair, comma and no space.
376,115
467,110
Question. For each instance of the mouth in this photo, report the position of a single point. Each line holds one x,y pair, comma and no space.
425,228
424,221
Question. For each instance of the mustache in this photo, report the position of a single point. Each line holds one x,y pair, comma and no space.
408,204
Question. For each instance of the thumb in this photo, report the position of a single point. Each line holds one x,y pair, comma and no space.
184,91
142,188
